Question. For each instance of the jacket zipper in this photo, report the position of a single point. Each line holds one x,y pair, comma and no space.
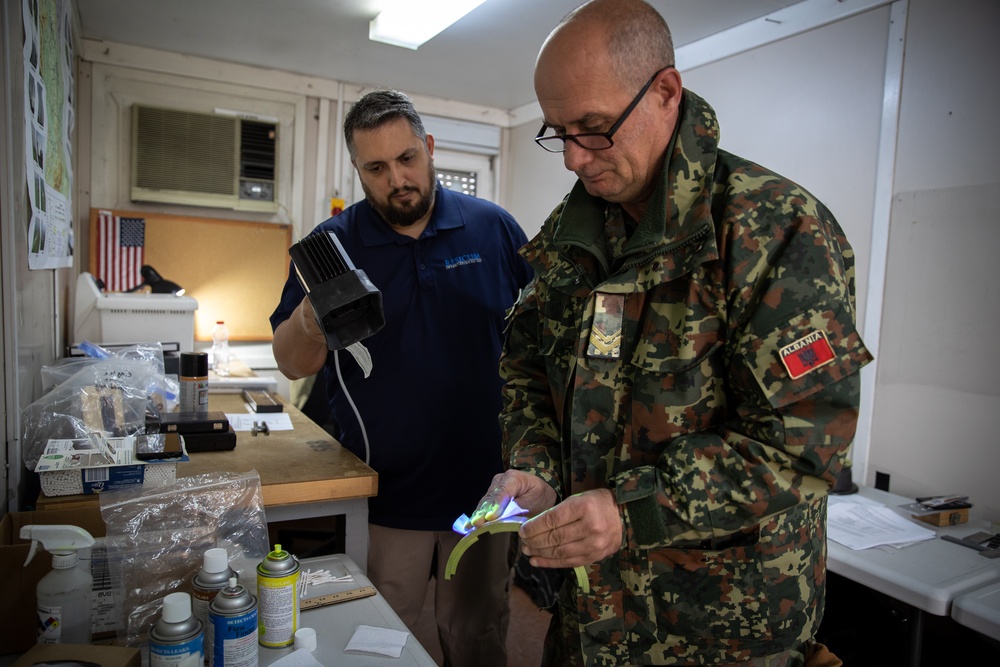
698,235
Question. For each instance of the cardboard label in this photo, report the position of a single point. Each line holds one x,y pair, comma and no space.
98,480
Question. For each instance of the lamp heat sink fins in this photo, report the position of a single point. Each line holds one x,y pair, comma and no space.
348,306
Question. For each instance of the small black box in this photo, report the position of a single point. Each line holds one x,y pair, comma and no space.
210,442
190,422
261,400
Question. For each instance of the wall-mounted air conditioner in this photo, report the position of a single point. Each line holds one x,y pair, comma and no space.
203,159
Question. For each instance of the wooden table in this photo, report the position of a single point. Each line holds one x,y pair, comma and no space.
303,473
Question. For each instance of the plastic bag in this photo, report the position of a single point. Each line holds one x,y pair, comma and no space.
62,369
110,397
157,538
163,391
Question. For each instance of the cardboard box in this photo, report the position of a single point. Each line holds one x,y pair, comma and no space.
105,656
18,614
945,517
91,465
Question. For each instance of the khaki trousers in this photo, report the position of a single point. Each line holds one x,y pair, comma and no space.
471,610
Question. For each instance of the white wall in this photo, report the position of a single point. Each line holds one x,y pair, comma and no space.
937,394
535,181
808,107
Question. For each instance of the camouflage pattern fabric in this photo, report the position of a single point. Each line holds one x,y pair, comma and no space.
720,461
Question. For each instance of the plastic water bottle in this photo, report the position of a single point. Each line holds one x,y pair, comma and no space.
220,348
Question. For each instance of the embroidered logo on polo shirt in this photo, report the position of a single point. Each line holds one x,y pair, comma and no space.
462,260
806,354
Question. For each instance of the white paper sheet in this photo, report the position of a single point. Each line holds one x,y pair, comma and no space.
298,658
862,526
276,421
384,641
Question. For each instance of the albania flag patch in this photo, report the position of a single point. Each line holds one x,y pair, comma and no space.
806,354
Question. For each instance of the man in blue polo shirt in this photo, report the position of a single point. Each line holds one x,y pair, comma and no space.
426,417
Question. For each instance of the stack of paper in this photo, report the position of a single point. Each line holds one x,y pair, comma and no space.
862,526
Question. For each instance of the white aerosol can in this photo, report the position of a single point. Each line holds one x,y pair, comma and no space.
215,573
64,611
177,639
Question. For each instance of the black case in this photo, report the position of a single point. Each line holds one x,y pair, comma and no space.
210,442
190,422
156,446
262,401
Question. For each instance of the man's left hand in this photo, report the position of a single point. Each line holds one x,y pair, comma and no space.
582,529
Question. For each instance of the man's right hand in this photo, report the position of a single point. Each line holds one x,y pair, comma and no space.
299,344
530,492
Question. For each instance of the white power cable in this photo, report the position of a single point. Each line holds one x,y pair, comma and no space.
357,414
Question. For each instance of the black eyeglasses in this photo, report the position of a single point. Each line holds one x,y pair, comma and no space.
592,141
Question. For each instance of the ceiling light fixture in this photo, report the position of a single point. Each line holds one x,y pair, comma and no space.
409,23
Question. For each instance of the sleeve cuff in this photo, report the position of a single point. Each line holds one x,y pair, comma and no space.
635,491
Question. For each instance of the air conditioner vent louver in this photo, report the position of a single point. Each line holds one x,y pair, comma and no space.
257,150
203,159
185,151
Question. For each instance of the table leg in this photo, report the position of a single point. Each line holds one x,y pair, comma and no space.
916,636
356,533
355,511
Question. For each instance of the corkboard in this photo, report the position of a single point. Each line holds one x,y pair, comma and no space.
234,268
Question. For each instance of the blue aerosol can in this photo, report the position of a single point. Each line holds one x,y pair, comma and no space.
232,627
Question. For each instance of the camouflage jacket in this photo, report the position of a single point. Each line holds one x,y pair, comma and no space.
705,369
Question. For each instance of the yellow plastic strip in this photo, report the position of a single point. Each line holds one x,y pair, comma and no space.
510,525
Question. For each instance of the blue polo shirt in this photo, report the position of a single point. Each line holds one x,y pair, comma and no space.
431,404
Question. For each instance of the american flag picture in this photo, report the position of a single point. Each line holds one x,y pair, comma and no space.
120,251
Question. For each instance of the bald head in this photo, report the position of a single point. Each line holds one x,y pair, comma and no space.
607,70
628,37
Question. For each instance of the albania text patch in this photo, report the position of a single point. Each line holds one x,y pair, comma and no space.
806,354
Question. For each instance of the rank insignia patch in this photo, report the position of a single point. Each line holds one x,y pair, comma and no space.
806,354
606,331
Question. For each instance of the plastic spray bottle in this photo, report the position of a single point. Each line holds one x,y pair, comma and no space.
64,611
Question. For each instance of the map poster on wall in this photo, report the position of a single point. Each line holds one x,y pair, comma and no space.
48,126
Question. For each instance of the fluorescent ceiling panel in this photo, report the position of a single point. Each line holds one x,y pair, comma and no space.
409,23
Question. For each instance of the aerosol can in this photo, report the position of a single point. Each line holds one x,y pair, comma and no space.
177,639
64,611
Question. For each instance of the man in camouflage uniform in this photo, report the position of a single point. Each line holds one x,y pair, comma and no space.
681,378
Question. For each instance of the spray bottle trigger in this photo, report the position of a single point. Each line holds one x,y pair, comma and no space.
31,551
